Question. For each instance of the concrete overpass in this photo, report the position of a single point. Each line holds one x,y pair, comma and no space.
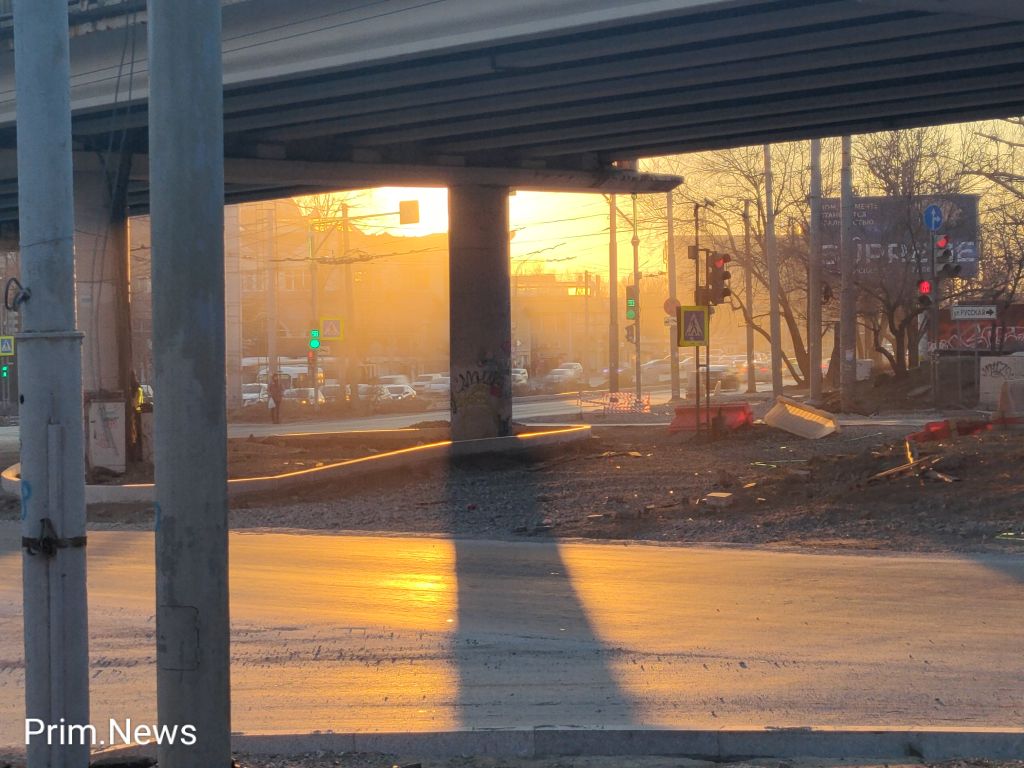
485,96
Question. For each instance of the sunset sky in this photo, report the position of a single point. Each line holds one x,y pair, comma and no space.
568,232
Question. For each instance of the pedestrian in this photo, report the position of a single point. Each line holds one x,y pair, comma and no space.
275,399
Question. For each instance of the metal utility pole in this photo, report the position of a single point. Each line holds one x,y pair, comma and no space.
586,322
348,315
697,301
50,367
847,296
314,356
814,277
673,348
187,212
271,250
748,279
613,298
639,303
772,264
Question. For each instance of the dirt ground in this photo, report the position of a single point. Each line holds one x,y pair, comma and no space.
642,484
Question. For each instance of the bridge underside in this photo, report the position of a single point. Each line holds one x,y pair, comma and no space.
481,97
406,91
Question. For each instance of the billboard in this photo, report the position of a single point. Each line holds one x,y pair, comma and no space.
891,239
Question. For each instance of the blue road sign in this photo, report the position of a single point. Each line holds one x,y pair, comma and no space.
933,217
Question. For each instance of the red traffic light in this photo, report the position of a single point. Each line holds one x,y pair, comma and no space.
721,259
942,242
924,287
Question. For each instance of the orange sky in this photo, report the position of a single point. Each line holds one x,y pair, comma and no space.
565,232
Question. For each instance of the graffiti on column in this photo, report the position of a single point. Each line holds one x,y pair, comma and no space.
478,390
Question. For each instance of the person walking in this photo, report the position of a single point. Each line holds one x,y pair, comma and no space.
275,399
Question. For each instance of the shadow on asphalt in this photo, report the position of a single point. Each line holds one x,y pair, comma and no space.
524,643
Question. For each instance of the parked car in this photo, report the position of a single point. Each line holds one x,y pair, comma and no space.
559,380
520,381
252,395
333,393
396,397
420,382
718,373
576,368
303,397
438,388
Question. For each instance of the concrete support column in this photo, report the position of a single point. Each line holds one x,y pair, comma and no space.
480,312
102,292
233,306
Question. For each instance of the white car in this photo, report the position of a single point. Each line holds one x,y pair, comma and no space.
420,382
397,378
576,368
254,394
440,387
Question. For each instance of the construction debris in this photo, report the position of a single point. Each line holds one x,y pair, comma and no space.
800,419
718,499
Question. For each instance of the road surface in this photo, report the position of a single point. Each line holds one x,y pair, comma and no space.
393,633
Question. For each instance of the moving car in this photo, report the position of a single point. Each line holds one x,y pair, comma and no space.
254,394
395,397
420,382
303,397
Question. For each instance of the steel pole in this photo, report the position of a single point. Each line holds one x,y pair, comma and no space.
639,304
613,298
748,279
772,264
187,213
673,348
271,250
697,302
314,307
847,297
50,370
814,277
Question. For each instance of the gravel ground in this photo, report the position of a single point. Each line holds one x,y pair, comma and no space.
643,484
376,760
640,483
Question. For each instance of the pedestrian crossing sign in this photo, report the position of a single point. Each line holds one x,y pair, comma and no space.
6,346
691,326
330,328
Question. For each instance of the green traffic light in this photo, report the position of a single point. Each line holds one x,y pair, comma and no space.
631,314
314,343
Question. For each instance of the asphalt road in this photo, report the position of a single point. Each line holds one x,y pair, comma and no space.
393,633
522,408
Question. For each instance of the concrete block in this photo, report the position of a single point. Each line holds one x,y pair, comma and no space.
718,499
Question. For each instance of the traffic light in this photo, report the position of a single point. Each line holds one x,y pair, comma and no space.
718,278
943,253
5,371
924,293
826,293
631,333
632,303
314,338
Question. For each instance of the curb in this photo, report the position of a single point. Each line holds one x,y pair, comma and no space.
721,745
10,482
